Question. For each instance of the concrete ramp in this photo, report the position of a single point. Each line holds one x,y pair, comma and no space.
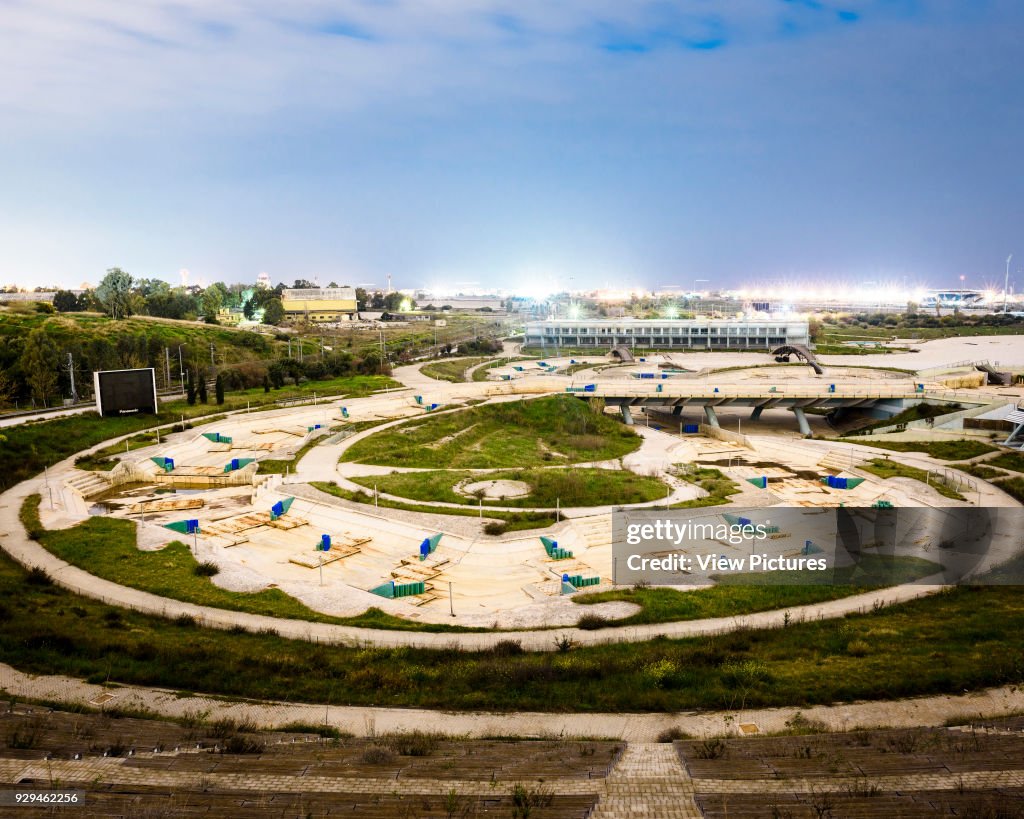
623,353
995,378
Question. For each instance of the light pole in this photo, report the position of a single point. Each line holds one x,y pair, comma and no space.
1006,282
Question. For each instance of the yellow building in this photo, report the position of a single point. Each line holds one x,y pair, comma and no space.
320,304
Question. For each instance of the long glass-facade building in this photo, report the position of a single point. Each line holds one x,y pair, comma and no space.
666,334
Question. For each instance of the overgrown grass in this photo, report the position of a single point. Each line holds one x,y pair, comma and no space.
901,651
551,430
986,473
452,369
503,521
1014,487
712,481
106,547
569,487
893,469
743,594
481,373
31,446
918,412
1008,460
943,450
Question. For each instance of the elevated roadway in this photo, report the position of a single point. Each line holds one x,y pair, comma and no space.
883,399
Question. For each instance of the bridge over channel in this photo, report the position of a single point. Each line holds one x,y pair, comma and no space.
881,400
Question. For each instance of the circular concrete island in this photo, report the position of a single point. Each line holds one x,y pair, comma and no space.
495,490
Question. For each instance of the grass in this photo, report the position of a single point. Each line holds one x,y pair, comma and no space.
712,481
743,594
481,373
453,369
106,547
893,469
1008,460
986,473
504,521
943,450
570,487
1014,487
558,429
31,446
918,412
902,651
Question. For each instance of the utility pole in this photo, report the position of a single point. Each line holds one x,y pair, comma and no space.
212,362
181,372
167,367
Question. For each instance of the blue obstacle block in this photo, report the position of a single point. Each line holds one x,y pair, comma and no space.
325,543
277,509
590,388
691,428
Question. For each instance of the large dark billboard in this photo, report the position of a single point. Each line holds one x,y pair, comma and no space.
125,392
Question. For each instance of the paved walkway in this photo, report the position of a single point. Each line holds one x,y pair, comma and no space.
369,720
649,780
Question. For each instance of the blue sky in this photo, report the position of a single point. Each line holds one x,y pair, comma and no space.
532,144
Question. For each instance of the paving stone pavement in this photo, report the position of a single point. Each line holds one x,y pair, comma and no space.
649,780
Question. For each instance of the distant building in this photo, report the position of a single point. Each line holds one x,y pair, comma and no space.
45,296
320,304
263,280
425,299
667,334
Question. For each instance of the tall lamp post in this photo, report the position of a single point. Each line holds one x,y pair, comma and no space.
1006,282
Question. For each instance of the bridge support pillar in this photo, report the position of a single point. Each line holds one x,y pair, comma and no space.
627,416
801,419
677,410
709,412
756,413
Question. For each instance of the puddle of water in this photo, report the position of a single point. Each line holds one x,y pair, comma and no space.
116,499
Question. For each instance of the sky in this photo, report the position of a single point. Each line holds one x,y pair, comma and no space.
530,145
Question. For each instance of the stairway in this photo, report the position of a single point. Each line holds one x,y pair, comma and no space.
648,780
840,461
594,530
88,484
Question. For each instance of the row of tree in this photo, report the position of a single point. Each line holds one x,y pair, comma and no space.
120,296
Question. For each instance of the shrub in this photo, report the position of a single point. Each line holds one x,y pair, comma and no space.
238,744
672,734
206,569
508,648
38,577
415,743
375,755
592,622
858,648
495,527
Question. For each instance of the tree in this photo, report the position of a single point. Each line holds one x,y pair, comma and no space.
219,388
7,389
360,298
212,301
64,301
114,293
203,397
41,363
273,313
266,383
190,387
303,284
